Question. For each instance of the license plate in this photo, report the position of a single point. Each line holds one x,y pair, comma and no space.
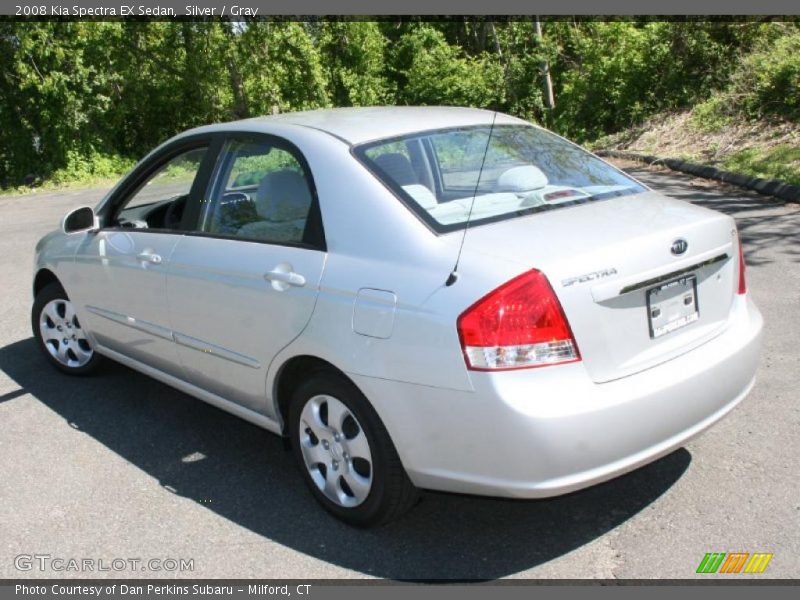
672,305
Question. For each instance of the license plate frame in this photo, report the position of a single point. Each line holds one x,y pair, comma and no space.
669,308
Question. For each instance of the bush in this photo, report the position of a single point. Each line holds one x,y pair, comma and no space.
432,72
766,82
90,167
613,75
712,115
769,79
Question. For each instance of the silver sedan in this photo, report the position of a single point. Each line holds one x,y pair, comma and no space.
417,298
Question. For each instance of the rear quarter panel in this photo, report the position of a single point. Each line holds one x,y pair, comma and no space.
374,242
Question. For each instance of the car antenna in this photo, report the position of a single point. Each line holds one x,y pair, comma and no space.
453,277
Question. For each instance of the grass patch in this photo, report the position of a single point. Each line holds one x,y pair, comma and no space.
778,162
50,186
80,171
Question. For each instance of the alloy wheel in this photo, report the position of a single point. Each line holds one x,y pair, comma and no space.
335,451
62,334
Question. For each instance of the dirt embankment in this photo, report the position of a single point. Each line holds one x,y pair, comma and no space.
768,149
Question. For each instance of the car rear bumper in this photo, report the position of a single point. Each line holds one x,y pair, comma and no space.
545,432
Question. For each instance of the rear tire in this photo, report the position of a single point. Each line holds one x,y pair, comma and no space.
345,453
59,333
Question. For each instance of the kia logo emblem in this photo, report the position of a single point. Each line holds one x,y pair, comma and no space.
679,246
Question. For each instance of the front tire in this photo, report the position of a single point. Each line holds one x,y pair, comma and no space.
59,333
345,454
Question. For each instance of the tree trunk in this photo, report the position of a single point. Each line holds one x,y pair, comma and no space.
497,47
241,109
549,100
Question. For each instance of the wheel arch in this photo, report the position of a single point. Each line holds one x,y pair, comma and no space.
43,278
290,375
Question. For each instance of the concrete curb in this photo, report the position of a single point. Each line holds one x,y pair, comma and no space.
767,187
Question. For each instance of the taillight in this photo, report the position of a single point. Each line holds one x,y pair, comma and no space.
519,325
742,283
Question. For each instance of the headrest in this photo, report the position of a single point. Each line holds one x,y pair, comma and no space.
283,196
398,167
521,179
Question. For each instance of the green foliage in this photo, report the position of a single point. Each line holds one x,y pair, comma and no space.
768,81
765,82
713,114
81,99
250,170
523,58
621,72
354,64
168,77
85,169
429,71
51,95
281,68
779,162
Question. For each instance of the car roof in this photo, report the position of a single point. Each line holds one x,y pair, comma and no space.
363,124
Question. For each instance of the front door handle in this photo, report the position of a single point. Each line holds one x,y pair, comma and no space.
150,257
283,276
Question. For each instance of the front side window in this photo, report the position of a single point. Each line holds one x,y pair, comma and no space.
510,171
158,202
261,192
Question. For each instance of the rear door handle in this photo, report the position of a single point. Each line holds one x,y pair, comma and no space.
282,277
150,257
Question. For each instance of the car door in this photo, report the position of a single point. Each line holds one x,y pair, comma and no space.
120,270
243,285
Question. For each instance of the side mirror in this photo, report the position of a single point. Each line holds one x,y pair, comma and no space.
80,219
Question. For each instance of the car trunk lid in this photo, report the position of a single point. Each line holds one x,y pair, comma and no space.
642,279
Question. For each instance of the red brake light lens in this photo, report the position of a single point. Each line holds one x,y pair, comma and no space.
519,325
742,283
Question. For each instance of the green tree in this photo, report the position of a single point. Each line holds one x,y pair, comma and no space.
428,70
169,76
281,67
352,53
53,97
86,97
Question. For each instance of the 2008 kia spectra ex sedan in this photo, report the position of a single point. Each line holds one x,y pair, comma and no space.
438,298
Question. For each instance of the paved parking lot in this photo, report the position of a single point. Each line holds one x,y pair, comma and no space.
119,466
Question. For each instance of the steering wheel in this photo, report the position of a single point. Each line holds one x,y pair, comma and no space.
235,198
174,213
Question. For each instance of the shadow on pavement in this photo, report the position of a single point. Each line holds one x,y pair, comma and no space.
248,478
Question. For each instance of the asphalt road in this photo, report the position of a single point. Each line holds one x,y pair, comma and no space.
119,466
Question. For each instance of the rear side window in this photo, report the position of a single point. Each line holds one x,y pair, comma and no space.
260,192
512,170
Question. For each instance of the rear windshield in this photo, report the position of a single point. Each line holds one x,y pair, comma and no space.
525,170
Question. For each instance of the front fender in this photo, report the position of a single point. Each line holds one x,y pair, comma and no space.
56,253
